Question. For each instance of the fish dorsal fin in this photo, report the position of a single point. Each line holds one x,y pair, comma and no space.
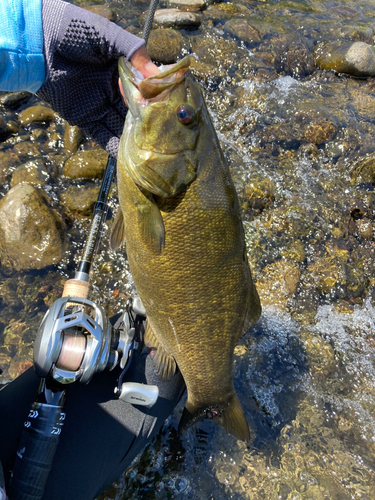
229,415
164,364
117,236
151,225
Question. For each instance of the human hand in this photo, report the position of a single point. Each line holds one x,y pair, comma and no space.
81,52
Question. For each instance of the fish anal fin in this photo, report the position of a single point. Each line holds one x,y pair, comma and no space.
164,364
117,236
229,415
151,226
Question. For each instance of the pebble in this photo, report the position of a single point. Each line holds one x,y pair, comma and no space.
321,132
185,5
79,200
32,234
165,45
37,113
73,138
242,30
357,59
33,172
174,18
86,165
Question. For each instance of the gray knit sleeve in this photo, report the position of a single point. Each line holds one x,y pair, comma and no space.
81,50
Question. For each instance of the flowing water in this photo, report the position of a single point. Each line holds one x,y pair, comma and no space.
300,143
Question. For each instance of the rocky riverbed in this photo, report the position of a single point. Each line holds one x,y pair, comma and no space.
291,90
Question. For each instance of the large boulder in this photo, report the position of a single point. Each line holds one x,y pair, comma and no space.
32,234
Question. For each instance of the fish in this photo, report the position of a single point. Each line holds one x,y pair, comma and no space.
180,218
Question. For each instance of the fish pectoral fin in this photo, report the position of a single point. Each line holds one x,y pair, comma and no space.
117,236
151,225
164,364
229,415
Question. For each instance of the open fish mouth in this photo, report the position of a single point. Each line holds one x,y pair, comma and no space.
156,86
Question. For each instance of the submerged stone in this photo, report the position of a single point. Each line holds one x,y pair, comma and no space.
79,200
102,10
186,5
73,138
37,113
164,45
174,18
33,172
31,232
296,60
242,30
86,165
357,59
320,132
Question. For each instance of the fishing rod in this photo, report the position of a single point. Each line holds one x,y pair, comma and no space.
76,340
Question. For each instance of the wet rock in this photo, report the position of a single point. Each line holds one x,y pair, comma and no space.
102,10
39,135
164,45
174,18
25,150
79,200
294,252
37,113
363,171
18,366
242,30
321,132
33,172
73,138
14,98
225,12
296,61
186,5
8,162
357,59
214,55
365,228
287,135
278,283
86,165
321,356
257,196
31,233
4,131
326,273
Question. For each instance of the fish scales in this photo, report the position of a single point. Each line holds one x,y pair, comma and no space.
197,288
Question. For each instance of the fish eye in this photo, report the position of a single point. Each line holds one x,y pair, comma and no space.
185,114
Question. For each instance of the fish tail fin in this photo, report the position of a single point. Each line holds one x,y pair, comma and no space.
230,416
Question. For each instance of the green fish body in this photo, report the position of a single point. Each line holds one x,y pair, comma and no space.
180,218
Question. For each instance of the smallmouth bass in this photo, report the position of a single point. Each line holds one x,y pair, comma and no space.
179,214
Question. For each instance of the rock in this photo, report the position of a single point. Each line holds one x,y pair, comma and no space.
186,5
86,165
33,172
296,61
363,171
278,283
37,113
225,11
31,233
24,150
73,138
4,130
8,162
321,132
357,59
80,200
242,30
14,98
257,196
102,10
174,18
164,45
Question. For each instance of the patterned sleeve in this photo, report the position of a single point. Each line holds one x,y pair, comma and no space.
22,64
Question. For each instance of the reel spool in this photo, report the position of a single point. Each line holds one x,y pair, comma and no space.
75,340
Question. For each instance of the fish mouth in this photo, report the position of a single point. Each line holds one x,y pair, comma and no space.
153,86
178,171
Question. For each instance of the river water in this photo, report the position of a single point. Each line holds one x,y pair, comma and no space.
300,143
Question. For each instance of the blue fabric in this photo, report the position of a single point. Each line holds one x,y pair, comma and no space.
22,65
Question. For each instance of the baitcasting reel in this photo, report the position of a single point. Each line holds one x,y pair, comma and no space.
76,340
